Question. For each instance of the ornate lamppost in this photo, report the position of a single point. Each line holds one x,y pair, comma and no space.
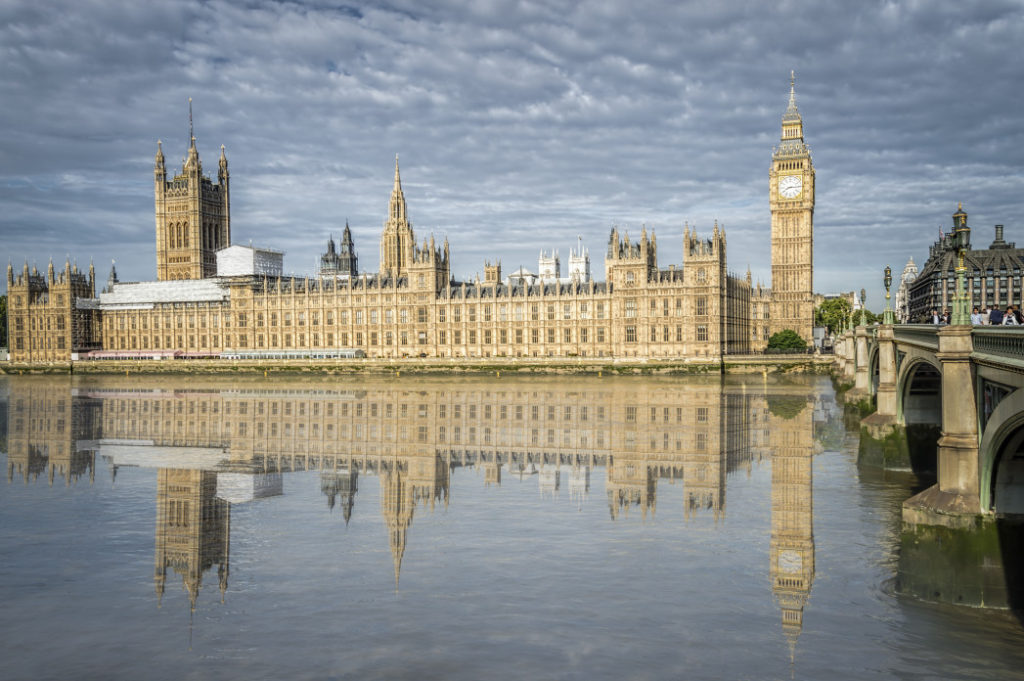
888,317
863,307
961,311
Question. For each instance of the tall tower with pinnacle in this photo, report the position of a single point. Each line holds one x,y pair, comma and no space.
791,197
193,215
397,241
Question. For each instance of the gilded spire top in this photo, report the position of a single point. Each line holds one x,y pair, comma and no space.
398,179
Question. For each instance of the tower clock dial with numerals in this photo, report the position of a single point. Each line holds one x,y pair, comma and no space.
790,186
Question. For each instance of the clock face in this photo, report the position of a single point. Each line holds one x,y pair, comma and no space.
790,186
790,561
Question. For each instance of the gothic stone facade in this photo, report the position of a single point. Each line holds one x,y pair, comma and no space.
193,217
413,308
49,315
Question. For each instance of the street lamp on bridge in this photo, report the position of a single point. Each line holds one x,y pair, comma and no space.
961,312
888,317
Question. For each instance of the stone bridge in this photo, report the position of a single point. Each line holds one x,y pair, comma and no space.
963,386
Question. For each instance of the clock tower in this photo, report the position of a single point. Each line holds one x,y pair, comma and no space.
791,197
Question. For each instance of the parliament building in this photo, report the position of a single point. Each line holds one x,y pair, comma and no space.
216,299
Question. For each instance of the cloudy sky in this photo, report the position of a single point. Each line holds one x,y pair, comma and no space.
520,125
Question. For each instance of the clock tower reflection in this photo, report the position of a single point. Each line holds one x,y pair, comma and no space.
791,440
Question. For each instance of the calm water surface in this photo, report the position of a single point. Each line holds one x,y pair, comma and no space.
541,528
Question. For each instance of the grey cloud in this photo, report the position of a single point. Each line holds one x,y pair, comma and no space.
519,124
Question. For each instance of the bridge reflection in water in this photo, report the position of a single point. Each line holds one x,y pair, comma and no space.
217,444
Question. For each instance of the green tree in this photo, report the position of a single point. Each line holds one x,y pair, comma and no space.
833,314
787,340
786,406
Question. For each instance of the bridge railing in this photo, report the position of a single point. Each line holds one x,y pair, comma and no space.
999,341
921,335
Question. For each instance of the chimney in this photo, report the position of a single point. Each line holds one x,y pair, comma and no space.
998,243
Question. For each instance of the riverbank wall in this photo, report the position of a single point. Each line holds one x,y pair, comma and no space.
738,364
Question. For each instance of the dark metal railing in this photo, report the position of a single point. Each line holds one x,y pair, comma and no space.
1006,341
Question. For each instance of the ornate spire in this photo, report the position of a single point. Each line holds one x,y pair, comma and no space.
192,159
792,115
397,208
112,279
792,127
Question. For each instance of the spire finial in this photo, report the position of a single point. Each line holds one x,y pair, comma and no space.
191,133
792,92
398,179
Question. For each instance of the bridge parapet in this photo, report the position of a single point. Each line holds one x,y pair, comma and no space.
921,335
1001,343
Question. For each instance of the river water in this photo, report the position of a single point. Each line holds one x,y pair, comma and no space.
508,528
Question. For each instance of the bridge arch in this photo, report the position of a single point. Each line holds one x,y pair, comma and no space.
1001,467
919,409
919,389
873,368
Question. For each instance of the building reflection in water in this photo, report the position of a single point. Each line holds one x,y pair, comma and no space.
217,445
790,436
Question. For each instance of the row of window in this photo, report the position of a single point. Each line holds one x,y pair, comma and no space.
403,410
550,336
374,316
